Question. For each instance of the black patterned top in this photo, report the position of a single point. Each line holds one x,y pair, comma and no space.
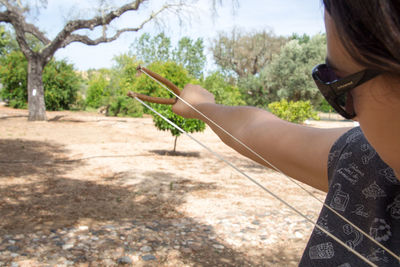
366,191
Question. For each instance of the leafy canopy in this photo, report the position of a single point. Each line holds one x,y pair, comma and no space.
61,82
180,77
188,53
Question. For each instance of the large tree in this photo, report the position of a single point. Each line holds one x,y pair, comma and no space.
189,53
16,13
288,76
245,53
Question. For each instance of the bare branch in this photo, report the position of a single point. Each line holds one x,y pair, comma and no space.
104,39
32,29
106,19
101,20
62,38
4,17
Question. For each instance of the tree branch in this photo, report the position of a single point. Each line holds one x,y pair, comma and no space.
32,29
4,17
70,27
66,37
103,39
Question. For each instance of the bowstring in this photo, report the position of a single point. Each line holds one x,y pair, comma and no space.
278,170
259,185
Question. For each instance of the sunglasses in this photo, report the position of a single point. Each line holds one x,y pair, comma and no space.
337,90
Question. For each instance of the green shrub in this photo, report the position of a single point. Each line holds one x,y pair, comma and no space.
123,106
60,82
97,89
224,92
178,76
291,111
189,125
13,73
61,85
325,107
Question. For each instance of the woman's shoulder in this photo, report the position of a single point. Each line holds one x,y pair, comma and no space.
352,157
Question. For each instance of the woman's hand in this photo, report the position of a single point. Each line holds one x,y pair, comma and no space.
194,95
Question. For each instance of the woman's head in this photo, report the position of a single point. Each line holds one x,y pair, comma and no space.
369,30
365,34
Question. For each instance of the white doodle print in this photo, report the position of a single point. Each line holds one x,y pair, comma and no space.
345,265
353,137
371,153
346,155
340,199
332,156
352,173
323,222
360,211
378,255
373,191
321,251
358,237
389,175
380,230
394,208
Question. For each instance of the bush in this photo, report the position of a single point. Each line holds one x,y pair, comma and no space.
325,107
178,76
61,85
60,82
97,89
224,93
189,125
291,111
13,73
124,106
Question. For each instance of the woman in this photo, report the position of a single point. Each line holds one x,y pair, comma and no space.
358,168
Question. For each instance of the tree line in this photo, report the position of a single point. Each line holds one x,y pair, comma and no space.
257,67
251,68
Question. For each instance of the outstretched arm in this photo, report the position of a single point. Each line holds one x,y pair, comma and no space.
299,151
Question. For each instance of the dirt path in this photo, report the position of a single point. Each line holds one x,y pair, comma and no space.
87,190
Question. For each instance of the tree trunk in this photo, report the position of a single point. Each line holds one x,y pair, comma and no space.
176,139
36,105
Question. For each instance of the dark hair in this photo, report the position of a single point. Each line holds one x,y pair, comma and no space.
370,31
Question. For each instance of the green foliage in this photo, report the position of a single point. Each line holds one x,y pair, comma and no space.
292,111
60,81
8,42
13,74
3,40
61,85
98,88
189,125
325,107
180,77
302,39
255,91
224,92
289,73
188,53
150,49
123,74
123,106
245,53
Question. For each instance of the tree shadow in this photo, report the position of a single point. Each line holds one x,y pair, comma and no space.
13,117
21,157
176,153
41,206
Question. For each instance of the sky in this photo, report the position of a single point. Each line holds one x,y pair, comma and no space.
283,17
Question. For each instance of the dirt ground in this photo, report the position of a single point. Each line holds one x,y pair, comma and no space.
89,172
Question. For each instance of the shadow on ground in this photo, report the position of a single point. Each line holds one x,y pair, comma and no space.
38,198
176,153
